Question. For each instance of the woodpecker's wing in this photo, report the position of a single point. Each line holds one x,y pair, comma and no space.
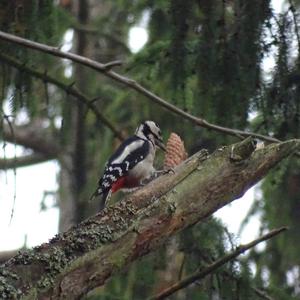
130,153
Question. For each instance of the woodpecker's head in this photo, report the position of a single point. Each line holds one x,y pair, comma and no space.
150,130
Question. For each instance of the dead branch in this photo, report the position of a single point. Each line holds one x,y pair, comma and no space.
200,274
32,136
86,256
131,84
24,161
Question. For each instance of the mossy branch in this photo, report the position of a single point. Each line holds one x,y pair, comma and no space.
86,256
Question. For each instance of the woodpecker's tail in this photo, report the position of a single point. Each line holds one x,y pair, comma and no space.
101,197
104,199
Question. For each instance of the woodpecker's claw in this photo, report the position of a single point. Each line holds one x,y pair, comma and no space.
169,170
163,172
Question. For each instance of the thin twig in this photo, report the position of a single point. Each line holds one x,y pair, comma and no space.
200,274
4,145
11,128
112,64
131,84
100,34
46,91
69,88
181,267
85,29
262,294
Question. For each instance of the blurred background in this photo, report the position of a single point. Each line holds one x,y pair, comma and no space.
234,63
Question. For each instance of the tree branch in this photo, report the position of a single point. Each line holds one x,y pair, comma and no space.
131,84
24,161
68,88
200,274
86,256
32,136
262,294
112,64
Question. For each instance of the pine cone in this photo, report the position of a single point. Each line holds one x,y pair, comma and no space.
175,153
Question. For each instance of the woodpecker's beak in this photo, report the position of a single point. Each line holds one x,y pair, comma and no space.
160,144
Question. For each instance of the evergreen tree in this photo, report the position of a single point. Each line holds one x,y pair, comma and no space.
206,58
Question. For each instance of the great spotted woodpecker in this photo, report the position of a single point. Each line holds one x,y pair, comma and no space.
131,163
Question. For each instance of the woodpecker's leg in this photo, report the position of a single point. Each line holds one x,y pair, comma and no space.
130,190
155,175
163,172
169,170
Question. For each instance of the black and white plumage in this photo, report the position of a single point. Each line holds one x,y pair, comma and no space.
131,163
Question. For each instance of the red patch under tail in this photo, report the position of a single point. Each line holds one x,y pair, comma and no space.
118,184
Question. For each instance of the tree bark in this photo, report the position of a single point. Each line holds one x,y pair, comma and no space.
79,117
73,162
86,256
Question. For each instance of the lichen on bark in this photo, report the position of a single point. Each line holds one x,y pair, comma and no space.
87,255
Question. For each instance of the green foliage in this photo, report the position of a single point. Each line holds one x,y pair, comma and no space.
281,207
280,100
39,20
180,15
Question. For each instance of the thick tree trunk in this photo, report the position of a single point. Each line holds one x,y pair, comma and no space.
73,161
79,127
86,256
